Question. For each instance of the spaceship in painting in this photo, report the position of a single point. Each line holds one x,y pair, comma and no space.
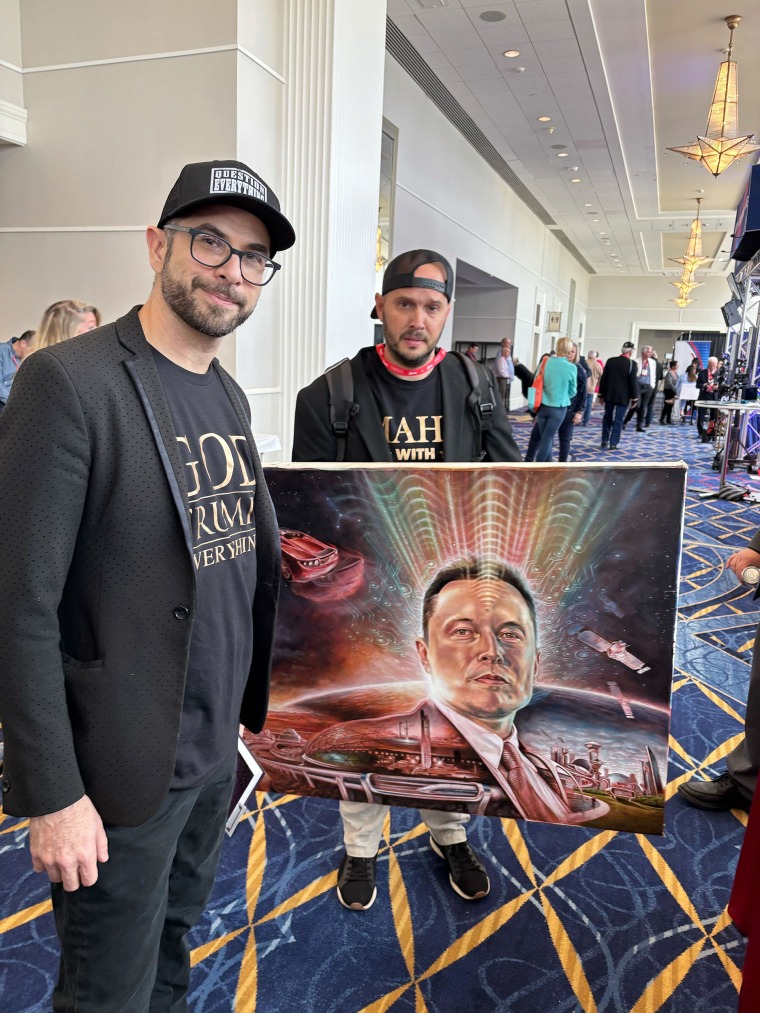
318,570
305,557
617,650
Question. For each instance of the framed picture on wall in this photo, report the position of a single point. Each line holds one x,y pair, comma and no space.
553,320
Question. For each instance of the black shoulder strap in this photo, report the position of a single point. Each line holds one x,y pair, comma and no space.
481,407
340,386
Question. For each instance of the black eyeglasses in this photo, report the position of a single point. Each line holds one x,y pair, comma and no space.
213,251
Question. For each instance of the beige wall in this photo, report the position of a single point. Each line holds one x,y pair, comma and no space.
105,143
619,308
11,81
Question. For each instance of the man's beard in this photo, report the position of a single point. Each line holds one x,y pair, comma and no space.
213,321
409,361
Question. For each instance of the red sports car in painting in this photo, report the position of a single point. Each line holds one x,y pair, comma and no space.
305,557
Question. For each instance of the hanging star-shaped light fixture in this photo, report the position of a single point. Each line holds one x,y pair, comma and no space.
685,287
721,147
692,258
690,261
686,283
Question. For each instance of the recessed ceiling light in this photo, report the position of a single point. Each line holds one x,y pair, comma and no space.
607,242
492,16
557,147
542,119
577,179
602,233
588,205
594,219
512,53
562,154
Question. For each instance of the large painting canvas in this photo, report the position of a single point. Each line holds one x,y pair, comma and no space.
490,639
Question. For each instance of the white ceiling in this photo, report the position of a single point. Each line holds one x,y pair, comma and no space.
621,80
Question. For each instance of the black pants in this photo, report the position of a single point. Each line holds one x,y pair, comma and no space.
667,412
123,947
504,386
701,415
642,408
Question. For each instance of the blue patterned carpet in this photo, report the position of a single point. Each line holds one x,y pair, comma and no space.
576,920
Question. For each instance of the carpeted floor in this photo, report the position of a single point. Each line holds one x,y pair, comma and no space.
576,920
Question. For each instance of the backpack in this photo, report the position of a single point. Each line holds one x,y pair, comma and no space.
340,386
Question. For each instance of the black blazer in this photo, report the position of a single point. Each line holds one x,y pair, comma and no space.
702,380
98,586
618,383
314,439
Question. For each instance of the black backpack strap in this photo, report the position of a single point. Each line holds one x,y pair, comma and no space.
481,406
340,387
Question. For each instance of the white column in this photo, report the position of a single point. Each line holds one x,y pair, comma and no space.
333,124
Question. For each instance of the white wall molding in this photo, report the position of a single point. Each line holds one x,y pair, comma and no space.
142,57
331,157
12,123
11,229
11,66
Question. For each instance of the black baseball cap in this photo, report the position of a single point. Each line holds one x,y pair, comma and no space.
229,182
627,345
400,274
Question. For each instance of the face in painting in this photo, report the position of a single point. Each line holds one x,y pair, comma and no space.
480,653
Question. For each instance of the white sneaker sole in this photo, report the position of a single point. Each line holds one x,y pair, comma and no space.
454,887
356,906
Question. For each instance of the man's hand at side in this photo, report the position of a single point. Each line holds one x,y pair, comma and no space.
68,844
742,559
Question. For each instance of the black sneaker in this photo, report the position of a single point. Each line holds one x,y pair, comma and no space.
466,874
356,883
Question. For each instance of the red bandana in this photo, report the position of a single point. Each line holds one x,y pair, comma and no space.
420,371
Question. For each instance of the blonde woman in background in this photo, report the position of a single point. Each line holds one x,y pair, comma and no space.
64,320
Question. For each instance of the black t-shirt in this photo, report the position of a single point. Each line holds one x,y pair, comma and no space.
411,411
221,486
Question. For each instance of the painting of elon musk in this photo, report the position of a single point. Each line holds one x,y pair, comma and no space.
494,640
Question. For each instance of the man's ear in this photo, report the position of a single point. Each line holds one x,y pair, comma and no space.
422,653
157,245
379,304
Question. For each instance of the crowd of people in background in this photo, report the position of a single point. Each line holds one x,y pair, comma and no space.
61,320
573,383
625,388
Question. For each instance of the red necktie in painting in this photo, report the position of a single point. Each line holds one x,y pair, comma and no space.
530,801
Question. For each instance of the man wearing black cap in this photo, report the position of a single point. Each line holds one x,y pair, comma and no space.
410,401
137,611
618,388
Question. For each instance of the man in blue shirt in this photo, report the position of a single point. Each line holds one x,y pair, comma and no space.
12,354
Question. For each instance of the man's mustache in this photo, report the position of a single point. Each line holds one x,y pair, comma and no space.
222,290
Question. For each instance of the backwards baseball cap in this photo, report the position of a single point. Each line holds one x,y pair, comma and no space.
400,274
628,345
229,182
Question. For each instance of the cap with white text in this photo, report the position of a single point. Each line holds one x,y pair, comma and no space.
233,183
400,274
